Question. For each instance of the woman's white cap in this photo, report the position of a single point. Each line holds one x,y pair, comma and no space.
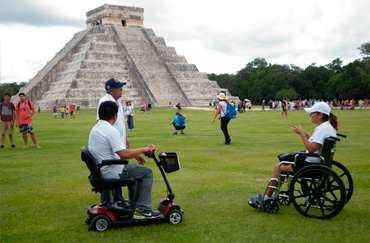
321,107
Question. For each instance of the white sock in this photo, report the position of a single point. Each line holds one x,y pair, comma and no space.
267,197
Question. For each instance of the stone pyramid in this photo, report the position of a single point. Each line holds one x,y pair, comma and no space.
116,44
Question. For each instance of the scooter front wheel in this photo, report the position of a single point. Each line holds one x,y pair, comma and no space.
174,217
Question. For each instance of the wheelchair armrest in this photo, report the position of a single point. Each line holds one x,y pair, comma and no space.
286,163
113,162
307,155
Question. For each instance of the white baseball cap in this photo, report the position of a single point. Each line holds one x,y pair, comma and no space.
321,107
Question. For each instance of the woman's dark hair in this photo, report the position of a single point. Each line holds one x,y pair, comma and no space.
178,114
107,110
333,120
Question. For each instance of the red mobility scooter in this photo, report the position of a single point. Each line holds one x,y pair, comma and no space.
102,216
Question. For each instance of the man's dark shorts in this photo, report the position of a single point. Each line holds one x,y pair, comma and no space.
23,128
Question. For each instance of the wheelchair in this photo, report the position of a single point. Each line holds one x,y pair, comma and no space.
318,190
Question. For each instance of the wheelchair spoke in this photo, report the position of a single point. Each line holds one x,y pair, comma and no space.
334,202
321,208
308,208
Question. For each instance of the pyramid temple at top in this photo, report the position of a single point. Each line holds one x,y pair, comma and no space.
116,44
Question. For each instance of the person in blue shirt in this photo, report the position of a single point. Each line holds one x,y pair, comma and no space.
178,123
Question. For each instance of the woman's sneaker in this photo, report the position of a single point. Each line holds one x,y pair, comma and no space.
143,214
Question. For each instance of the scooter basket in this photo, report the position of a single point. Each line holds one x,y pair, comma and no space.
170,162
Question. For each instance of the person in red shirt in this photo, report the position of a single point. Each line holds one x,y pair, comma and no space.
24,112
7,117
72,109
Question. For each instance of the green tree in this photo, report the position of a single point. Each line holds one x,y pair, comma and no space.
265,84
225,81
335,66
286,94
234,82
365,49
10,88
352,83
253,67
312,82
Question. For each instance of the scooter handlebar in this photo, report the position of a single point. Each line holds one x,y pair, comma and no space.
153,148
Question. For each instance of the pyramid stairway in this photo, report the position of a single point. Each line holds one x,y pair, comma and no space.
153,71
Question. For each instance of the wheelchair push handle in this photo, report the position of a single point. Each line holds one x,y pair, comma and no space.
148,154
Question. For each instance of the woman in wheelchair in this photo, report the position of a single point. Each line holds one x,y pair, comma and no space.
327,125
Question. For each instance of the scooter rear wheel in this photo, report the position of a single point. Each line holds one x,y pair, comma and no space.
101,223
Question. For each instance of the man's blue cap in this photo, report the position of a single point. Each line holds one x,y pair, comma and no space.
113,84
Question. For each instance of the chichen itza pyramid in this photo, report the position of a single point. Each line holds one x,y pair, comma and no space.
116,44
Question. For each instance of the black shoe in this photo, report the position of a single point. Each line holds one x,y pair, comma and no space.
13,146
254,202
122,203
2,146
182,132
175,133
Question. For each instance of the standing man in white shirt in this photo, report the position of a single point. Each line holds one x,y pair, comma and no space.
114,93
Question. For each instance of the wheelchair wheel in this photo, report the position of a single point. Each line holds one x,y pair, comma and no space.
346,177
284,198
317,191
271,206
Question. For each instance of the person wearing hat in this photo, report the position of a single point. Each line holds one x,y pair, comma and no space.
221,109
114,93
327,125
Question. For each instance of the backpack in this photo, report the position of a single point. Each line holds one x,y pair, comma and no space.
180,120
29,104
230,111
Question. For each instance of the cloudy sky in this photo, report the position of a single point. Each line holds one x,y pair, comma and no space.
217,36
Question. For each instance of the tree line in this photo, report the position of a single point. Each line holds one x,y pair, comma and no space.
10,88
260,80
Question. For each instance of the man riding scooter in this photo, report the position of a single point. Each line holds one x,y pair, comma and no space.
105,144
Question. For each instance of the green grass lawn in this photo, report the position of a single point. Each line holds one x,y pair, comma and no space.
44,192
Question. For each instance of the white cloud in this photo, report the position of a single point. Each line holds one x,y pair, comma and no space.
217,36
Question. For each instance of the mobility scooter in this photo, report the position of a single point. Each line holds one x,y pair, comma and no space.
102,216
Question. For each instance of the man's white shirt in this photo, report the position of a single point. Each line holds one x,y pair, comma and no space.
120,122
104,141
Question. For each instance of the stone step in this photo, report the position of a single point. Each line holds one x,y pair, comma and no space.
153,71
